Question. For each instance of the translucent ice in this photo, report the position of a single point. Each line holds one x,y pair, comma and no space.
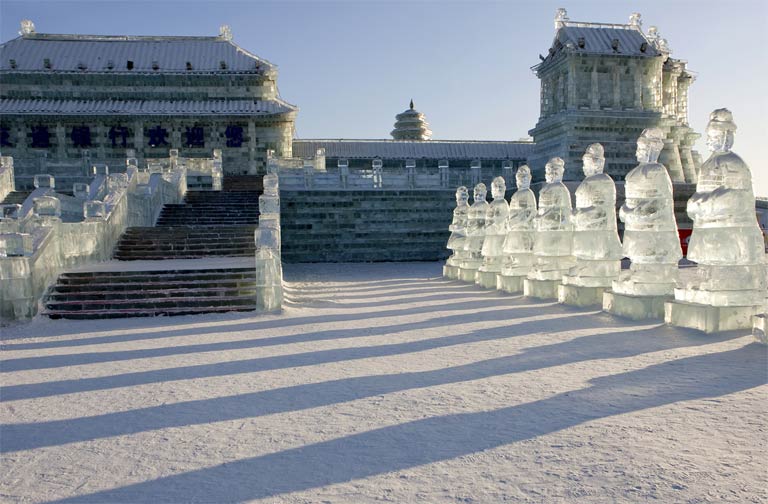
596,244
726,242
458,228
650,231
476,228
552,246
495,227
518,244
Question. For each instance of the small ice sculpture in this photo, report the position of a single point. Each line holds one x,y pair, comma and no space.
552,246
475,234
726,242
269,202
518,244
495,233
596,244
650,231
458,229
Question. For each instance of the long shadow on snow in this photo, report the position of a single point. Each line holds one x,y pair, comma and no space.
586,348
578,320
434,439
25,363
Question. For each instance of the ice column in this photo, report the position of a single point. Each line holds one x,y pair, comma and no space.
518,244
729,287
650,236
495,233
552,246
458,238
596,244
269,270
475,235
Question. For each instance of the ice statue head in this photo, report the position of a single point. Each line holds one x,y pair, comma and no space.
479,193
594,160
523,178
720,130
553,172
462,196
649,145
498,187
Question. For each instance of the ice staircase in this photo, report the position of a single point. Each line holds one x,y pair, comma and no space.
16,198
199,260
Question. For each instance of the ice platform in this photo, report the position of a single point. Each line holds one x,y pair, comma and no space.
634,307
577,295
541,289
510,284
709,319
486,279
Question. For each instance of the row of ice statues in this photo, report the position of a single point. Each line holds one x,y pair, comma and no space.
553,250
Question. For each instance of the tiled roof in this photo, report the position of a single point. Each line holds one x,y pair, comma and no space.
599,39
406,149
145,107
95,53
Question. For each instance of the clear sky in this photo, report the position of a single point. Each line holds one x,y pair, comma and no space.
351,66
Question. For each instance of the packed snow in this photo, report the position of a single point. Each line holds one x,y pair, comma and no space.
382,382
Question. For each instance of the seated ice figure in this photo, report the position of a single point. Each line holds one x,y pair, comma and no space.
518,244
495,229
650,232
726,242
596,244
475,233
458,229
552,245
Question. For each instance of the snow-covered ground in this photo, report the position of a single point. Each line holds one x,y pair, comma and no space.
382,382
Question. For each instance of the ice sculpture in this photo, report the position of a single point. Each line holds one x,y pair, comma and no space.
475,235
458,238
726,242
552,245
495,233
596,244
650,236
518,244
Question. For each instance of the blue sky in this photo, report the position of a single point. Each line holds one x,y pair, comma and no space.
351,66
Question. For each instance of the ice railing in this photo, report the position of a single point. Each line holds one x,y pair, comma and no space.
204,173
7,184
36,245
407,176
269,269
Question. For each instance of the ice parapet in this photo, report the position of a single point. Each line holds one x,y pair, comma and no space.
458,228
596,244
552,246
650,231
518,243
726,242
495,228
475,229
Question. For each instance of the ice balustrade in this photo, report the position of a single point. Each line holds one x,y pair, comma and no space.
269,269
314,174
38,244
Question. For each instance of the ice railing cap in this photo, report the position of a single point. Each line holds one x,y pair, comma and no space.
722,119
270,183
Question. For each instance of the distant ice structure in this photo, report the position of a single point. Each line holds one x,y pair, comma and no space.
726,241
596,244
475,234
495,233
458,238
650,232
552,246
518,244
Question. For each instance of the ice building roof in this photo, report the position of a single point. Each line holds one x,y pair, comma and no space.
43,52
404,149
145,107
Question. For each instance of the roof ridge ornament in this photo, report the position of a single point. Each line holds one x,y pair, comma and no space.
27,28
225,32
411,103
635,20
561,17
